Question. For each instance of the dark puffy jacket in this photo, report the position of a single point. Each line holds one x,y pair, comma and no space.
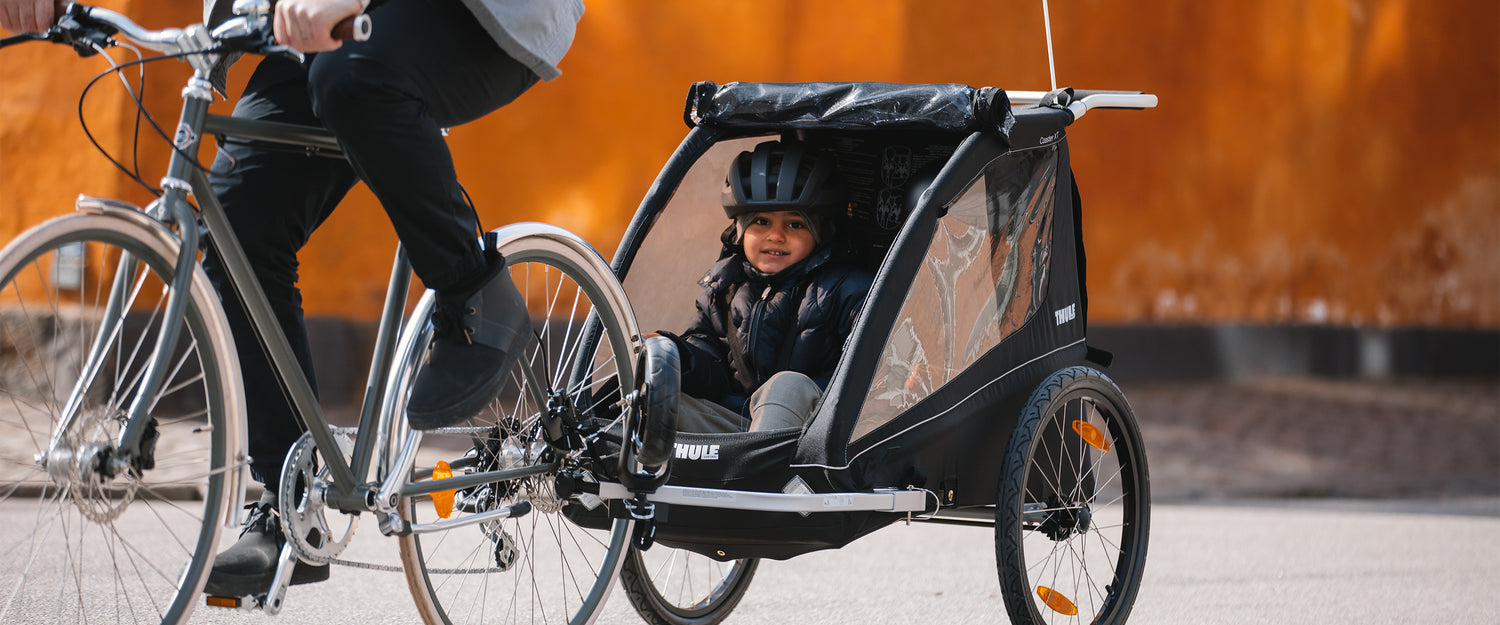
795,320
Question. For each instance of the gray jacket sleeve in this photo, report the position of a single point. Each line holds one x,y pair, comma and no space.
535,32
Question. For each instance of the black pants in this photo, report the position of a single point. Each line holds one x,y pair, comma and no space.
428,66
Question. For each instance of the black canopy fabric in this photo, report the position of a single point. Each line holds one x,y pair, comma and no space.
850,105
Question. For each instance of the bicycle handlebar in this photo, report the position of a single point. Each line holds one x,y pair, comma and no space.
82,26
1079,101
354,28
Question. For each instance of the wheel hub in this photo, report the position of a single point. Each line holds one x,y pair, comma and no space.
1067,520
87,471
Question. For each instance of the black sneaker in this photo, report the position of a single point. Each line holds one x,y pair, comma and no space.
246,569
479,332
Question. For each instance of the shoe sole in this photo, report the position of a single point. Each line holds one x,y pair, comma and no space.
228,585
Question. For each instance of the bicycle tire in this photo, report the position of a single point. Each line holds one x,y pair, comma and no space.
679,587
1073,514
559,572
650,429
89,554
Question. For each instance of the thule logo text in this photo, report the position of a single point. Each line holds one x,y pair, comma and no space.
1065,314
697,452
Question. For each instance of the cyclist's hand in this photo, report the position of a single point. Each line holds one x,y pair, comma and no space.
29,16
307,25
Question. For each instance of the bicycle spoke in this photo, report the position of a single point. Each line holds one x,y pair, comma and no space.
48,391
557,565
84,559
125,390
116,337
166,391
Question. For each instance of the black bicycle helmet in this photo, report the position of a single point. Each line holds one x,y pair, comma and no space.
777,177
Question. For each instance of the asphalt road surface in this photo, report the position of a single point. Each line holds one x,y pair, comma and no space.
1324,562
1278,501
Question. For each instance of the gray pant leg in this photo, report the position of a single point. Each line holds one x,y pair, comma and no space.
784,401
703,416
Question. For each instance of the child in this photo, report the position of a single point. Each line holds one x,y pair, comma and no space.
775,310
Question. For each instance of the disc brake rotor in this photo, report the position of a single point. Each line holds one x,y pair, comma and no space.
75,466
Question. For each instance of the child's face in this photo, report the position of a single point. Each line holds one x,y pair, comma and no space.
776,240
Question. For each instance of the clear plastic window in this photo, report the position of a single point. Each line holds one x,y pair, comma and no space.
683,243
983,276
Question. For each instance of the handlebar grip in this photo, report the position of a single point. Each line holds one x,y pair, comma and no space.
354,28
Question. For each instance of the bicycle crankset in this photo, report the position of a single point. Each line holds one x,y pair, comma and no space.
304,511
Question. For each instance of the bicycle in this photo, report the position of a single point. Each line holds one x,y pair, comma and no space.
966,393
124,386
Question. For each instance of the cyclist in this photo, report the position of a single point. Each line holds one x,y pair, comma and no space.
427,66
776,308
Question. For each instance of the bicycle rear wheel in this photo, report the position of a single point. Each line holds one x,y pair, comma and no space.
678,587
81,304
1073,513
539,567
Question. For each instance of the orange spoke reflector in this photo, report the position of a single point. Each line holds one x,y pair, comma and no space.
1056,601
1091,435
442,501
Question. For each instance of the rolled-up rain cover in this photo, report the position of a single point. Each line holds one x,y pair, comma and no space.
846,106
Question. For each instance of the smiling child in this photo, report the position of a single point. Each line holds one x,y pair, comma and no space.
776,308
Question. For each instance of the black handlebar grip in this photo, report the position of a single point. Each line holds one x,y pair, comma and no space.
354,28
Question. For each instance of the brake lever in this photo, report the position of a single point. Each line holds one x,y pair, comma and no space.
85,40
22,38
284,51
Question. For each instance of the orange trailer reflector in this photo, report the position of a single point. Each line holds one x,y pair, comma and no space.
1056,601
442,501
1091,435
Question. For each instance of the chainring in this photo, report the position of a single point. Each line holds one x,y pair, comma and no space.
304,513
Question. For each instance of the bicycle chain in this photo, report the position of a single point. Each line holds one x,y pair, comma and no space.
370,566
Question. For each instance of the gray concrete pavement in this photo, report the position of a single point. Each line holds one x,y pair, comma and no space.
1323,562
1218,554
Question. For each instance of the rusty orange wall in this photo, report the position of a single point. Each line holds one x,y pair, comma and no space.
1325,161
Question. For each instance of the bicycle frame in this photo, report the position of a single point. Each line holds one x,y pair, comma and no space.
184,177
350,491
347,477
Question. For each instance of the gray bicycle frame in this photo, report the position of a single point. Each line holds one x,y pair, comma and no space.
186,176
350,492
347,477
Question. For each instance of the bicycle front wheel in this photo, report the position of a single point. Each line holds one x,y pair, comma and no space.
539,567
81,304
1073,512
